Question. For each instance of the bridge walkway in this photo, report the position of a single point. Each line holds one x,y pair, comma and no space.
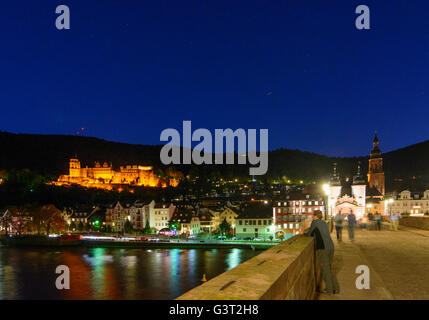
398,262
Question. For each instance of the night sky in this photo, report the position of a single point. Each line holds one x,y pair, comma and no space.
129,69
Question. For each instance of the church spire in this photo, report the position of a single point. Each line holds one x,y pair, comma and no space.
358,178
375,152
335,179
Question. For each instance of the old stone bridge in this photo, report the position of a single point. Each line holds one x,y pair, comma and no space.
398,263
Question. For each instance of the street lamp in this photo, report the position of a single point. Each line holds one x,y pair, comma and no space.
368,207
327,190
386,203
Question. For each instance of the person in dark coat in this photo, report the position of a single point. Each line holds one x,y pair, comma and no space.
324,247
378,221
339,219
351,222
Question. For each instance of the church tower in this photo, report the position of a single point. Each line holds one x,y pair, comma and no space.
334,191
359,192
375,170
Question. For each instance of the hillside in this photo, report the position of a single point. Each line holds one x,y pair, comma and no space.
49,155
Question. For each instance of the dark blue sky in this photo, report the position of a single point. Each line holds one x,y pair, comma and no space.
129,69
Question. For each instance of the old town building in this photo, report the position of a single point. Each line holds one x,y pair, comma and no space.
290,213
255,220
414,203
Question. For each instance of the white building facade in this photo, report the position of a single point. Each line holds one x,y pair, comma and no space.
347,198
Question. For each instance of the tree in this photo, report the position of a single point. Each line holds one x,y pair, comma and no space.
48,217
20,218
147,229
128,227
72,226
6,221
224,227
174,225
80,226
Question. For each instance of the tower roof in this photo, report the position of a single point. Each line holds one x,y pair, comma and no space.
335,179
358,179
375,152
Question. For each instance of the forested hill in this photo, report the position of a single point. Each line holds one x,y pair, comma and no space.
49,155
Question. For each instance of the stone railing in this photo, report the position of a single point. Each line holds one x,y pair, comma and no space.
415,222
286,271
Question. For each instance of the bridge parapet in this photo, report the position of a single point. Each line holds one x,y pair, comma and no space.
286,271
415,222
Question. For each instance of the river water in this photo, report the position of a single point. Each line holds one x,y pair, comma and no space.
111,273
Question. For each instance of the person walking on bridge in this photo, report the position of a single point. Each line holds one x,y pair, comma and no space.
394,221
351,222
378,221
339,218
324,247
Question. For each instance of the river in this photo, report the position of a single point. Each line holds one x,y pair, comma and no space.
111,273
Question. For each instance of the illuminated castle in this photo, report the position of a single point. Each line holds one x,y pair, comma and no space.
105,177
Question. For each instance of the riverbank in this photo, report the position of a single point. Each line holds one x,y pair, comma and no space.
37,241
178,245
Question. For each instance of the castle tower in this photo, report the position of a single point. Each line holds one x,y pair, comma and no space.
334,191
359,192
375,170
74,168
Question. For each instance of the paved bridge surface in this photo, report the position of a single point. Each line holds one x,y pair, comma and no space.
398,263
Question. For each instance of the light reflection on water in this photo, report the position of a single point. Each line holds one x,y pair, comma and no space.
112,273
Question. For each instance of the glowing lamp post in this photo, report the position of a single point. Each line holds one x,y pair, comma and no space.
327,201
386,203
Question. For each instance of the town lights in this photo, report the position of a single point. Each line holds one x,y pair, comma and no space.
386,203
327,192
326,189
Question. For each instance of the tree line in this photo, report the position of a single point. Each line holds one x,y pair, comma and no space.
46,219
